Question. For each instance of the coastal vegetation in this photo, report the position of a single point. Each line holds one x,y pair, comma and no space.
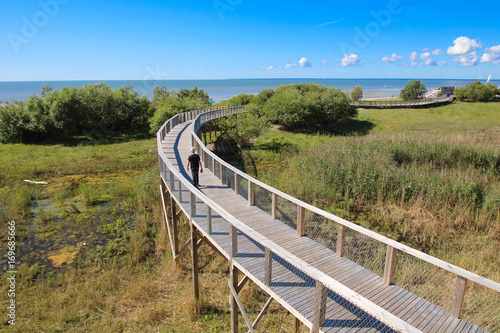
413,90
94,111
425,177
477,92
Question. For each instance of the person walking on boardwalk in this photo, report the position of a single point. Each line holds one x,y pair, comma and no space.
194,161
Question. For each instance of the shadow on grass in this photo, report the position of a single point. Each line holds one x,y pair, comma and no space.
348,127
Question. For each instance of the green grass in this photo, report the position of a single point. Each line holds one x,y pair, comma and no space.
92,254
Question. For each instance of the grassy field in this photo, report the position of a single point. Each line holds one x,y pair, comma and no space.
425,177
91,253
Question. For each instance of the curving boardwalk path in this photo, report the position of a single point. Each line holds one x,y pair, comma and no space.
320,308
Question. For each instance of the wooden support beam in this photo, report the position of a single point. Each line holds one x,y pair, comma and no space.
458,297
233,283
184,247
242,283
320,297
262,313
301,221
340,240
175,232
180,191
296,324
390,264
194,256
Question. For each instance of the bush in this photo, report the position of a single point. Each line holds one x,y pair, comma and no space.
476,91
413,90
241,99
305,105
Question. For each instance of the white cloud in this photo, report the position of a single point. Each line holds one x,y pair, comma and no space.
324,62
350,60
442,63
393,58
492,54
304,63
464,45
437,52
469,59
270,67
291,64
414,59
427,58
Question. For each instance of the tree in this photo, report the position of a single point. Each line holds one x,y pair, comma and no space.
413,90
357,93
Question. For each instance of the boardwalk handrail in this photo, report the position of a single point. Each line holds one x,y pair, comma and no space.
460,273
166,166
400,103
428,258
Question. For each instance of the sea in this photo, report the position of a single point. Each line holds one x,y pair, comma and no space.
220,90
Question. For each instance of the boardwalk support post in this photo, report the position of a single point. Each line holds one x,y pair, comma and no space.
193,204
233,241
458,297
194,256
390,264
320,297
236,186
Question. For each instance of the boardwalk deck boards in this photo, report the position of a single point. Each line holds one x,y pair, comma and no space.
291,286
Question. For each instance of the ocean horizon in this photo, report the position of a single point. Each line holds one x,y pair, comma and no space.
221,89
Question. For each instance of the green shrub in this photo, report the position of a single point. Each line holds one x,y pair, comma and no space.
304,105
241,99
476,92
413,90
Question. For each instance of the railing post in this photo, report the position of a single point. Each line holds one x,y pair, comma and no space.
193,204
301,223
268,267
458,297
180,191
340,240
205,160
209,220
236,187
194,256
390,264
223,174
273,206
320,297
251,193
233,242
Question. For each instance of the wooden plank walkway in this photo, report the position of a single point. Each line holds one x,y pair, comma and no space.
292,288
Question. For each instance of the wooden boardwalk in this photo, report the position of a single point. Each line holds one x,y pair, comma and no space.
290,286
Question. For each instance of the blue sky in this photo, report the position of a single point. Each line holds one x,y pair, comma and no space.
218,39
